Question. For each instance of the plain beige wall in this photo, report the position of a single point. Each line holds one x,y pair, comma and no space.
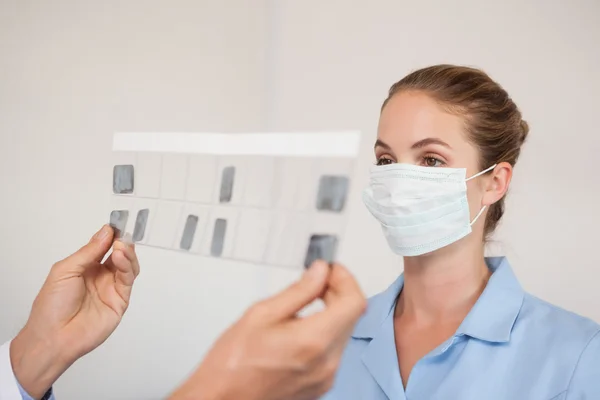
73,72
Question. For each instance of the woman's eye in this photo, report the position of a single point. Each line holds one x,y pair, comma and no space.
432,162
384,161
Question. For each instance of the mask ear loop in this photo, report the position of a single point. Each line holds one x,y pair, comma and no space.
478,215
481,173
473,177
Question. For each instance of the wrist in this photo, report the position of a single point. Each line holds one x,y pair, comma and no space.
37,361
202,385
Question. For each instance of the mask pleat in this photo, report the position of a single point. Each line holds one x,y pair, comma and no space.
420,209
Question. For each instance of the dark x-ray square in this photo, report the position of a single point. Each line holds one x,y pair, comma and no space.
118,221
332,194
123,179
227,180
140,224
321,247
218,239
189,231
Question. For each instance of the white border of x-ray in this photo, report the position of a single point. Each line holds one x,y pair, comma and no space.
344,144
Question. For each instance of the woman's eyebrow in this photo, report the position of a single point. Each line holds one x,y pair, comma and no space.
382,144
425,142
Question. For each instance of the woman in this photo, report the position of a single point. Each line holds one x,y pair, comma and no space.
457,325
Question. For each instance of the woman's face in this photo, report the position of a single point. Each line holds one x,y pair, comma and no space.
414,129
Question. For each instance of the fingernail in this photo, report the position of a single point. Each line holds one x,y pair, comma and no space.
102,233
317,270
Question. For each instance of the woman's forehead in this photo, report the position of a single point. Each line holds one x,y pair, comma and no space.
411,117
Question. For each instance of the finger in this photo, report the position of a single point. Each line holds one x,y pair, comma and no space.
124,263
92,253
128,249
344,304
341,285
123,269
125,238
132,256
288,302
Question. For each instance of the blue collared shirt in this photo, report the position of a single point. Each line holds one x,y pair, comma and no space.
511,346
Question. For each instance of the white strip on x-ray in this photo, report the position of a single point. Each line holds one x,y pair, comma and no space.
276,199
296,144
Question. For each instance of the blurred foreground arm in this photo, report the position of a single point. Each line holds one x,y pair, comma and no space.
79,306
271,354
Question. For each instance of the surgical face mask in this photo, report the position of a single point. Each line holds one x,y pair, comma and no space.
421,209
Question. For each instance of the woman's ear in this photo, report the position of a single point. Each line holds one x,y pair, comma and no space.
496,183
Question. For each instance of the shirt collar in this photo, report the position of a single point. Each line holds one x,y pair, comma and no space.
378,308
491,319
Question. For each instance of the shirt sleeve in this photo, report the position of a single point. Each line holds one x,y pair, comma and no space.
585,383
25,396
10,389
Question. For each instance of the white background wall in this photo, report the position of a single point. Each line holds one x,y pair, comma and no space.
73,72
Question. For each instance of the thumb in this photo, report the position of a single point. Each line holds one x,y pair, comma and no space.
301,293
92,253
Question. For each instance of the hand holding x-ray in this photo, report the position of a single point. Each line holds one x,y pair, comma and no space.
272,354
79,306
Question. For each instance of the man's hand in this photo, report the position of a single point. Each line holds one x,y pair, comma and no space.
271,354
79,306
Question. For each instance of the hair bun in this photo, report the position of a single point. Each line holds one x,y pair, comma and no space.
524,130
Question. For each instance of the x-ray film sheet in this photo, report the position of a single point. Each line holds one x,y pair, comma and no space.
277,199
